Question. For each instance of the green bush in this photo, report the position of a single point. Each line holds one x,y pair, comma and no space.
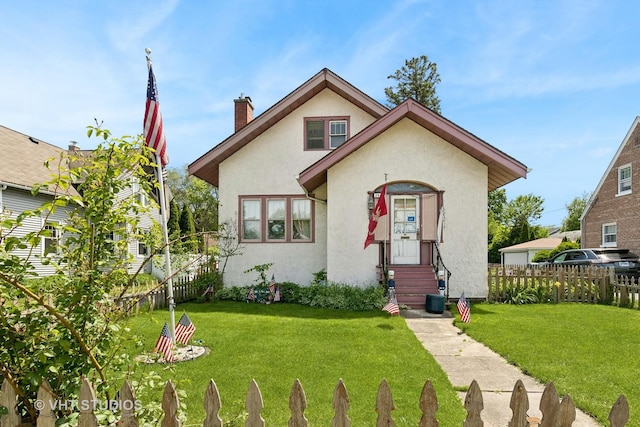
332,295
542,255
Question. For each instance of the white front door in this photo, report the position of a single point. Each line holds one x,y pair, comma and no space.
405,243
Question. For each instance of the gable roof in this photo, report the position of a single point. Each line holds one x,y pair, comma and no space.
24,160
538,244
613,162
207,166
502,168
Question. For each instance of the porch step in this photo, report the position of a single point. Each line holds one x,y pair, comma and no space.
413,284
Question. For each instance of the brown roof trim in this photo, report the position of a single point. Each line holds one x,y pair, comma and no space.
207,166
502,168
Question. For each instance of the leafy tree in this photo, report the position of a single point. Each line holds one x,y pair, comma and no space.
417,79
70,327
188,230
201,198
515,223
574,211
173,225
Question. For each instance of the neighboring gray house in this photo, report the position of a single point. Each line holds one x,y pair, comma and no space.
25,166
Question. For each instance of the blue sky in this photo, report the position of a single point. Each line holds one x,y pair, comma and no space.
554,84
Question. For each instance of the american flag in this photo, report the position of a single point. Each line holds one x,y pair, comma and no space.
251,296
272,285
153,129
164,344
184,329
379,210
464,309
277,297
392,306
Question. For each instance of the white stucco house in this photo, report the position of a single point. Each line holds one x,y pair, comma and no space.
23,167
301,180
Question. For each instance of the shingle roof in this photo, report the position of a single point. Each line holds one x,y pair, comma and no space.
23,159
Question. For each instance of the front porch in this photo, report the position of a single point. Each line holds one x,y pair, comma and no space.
414,283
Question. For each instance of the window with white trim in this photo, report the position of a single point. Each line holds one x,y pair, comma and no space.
138,191
624,179
274,219
609,234
51,239
251,219
325,133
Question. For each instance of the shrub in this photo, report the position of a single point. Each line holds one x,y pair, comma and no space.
332,295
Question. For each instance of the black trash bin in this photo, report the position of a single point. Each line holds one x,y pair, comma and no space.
435,303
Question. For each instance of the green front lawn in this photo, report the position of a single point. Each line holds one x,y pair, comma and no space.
591,352
279,343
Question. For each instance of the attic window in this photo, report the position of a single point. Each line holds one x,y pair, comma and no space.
624,180
325,133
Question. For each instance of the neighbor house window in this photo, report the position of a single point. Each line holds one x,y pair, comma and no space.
142,249
325,133
276,219
609,234
51,239
138,191
624,179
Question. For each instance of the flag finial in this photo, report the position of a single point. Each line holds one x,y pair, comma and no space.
148,52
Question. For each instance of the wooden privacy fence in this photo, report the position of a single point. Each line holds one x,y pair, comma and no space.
555,412
561,284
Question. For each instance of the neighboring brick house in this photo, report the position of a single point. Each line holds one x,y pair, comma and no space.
22,167
611,218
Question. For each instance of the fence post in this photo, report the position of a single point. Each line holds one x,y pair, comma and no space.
619,415
384,405
428,405
254,405
46,416
297,404
519,405
8,399
86,401
170,406
127,406
474,405
212,405
340,406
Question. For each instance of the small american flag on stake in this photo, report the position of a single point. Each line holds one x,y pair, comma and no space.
464,309
184,329
392,306
164,344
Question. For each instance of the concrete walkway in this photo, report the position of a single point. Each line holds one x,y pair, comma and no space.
464,360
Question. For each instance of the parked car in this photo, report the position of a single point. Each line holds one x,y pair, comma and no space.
624,262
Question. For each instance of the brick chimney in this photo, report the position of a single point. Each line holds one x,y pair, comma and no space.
243,111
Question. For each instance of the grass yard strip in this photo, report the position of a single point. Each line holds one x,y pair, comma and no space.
279,343
588,351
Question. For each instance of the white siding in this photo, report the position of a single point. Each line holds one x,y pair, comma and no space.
16,201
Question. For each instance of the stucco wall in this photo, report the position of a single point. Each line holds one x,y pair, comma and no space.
268,166
408,152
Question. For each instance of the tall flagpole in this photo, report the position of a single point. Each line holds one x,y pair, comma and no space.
165,232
